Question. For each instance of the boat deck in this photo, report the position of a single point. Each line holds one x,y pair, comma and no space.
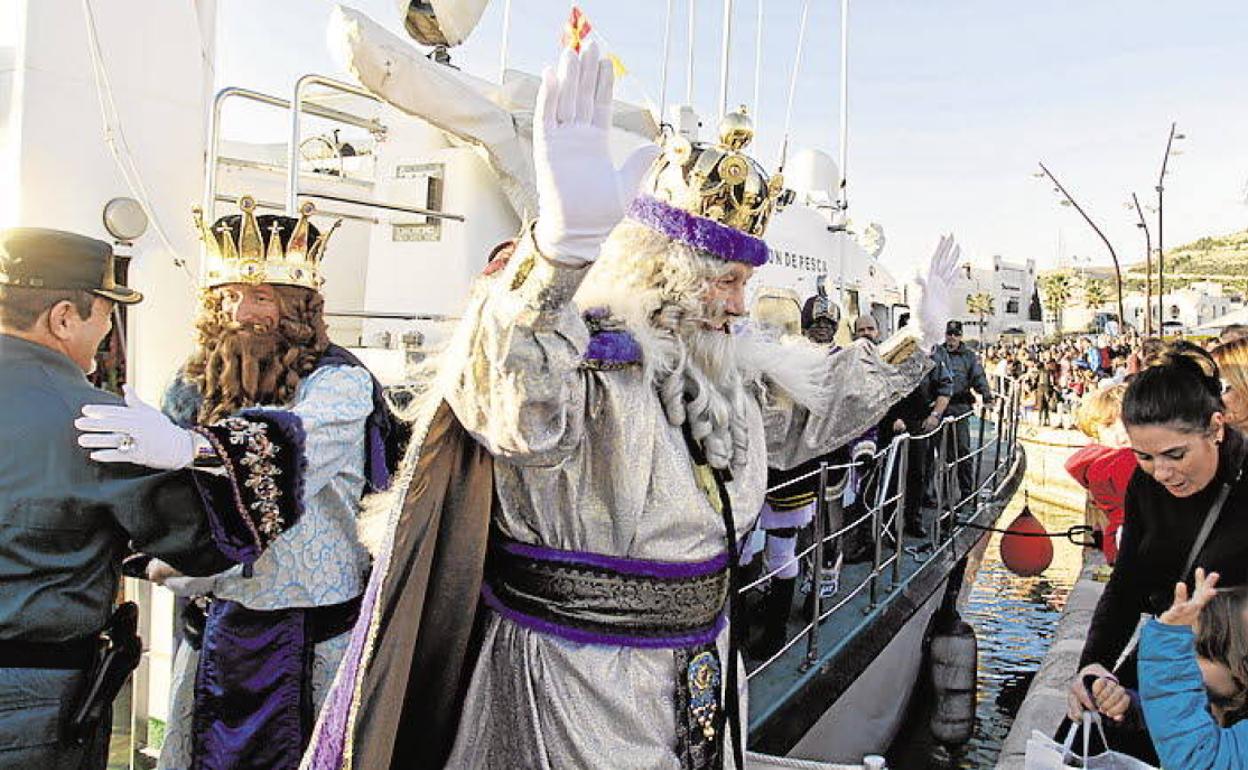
793,689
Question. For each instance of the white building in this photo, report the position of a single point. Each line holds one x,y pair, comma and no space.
1192,306
1015,303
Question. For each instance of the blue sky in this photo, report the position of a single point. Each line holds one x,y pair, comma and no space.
952,102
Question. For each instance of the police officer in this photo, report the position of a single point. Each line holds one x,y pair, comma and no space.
968,375
919,413
66,522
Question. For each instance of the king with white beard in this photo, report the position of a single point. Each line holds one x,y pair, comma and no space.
630,435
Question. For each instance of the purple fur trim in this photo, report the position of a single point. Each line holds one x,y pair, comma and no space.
664,570
613,347
581,636
699,232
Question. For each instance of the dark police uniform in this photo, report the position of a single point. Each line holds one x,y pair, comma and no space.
968,374
65,521
913,410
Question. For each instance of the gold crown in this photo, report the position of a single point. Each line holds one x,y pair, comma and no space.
248,259
718,181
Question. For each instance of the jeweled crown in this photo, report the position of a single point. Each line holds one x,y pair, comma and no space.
237,251
718,180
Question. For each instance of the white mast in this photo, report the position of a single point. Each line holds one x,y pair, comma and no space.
502,63
758,62
692,31
841,202
667,52
723,59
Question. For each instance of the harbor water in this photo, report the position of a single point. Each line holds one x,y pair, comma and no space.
1014,620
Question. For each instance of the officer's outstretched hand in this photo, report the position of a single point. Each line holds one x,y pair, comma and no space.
135,433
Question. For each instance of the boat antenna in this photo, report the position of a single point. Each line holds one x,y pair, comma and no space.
797,66
758,64
667,52
841,202
692,32
502,61
724,49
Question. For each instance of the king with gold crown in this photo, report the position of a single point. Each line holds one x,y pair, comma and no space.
300,429
555,588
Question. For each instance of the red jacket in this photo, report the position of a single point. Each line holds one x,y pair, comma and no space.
1104,472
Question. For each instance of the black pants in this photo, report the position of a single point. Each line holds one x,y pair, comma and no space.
918,472
962,446
33,706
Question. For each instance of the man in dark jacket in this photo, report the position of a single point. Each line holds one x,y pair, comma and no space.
919,413
66,522
968,375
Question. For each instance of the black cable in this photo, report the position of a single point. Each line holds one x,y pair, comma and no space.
1069,534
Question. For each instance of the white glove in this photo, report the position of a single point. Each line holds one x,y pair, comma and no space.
187,587
134,433
581,196
937,286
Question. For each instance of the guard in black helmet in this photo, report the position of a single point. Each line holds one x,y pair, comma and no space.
66,522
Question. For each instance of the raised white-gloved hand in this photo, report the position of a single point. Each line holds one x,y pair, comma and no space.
135,433
581,196
937,285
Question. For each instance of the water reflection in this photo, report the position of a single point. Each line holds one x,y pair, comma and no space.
1014,619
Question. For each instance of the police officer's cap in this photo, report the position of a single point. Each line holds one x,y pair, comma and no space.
954,327
39,258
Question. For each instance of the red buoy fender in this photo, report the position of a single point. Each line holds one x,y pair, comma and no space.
1022,551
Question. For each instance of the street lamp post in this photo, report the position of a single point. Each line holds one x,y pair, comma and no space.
1148,267
1122,316
1161,249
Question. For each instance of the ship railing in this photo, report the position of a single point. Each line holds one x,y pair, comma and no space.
301,105
880,521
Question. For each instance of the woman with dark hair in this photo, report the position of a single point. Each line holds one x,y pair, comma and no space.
1189,461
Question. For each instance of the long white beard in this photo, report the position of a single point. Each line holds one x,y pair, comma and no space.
720,372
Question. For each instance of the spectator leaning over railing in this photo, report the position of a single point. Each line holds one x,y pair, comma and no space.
1191,472
1105,466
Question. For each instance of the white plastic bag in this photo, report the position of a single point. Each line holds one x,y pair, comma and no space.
1044,753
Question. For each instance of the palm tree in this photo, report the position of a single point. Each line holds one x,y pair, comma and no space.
980,304
1055,290
1095,294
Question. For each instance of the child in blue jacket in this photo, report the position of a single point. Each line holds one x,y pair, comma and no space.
1175,697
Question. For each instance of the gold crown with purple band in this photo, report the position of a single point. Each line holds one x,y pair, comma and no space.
284,251
713,197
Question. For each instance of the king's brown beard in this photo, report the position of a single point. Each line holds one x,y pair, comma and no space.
246,368
236,366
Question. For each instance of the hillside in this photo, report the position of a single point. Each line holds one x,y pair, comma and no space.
1212,255
1223,257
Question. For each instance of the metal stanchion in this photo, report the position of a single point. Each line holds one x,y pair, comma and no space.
951,480
821,512
900,444
939,479
979,457
877,537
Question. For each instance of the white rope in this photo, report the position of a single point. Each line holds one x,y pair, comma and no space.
115,139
